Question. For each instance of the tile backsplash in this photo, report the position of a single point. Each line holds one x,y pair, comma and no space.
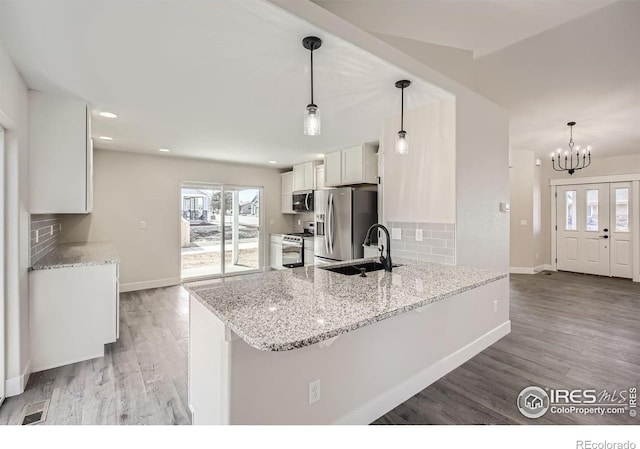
302,217
437,245
44,235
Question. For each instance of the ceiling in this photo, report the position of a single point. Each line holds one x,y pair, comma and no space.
586,69
221,80
480,26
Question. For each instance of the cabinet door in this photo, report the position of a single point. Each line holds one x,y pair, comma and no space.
320,177
276,256
333,169
59,160
309,176
287,189
298,177
352,171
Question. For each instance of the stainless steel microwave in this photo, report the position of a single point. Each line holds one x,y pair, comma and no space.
303,201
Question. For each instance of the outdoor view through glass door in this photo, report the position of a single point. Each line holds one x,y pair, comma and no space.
219,230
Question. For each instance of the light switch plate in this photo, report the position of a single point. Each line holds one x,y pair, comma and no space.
523,222
143,224
418,235
396,233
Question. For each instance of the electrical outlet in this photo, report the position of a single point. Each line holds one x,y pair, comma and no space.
37,235
51,230
396,233
143,224
523,222
314,391
299,222
418,235
495,305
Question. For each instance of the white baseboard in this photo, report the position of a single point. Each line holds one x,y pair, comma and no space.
134,286
380,405
547,267
529,270
522,270
16,385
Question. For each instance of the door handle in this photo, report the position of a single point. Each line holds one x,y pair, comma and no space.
604,236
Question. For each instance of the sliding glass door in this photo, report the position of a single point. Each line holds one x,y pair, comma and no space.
220,230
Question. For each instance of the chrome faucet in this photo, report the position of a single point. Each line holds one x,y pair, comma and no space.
385,261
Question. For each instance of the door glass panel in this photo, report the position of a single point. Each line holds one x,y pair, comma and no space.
622,209
200,231
592,210
570,212
242,229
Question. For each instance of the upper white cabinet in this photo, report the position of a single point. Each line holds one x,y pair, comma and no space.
304,176
320,177
60,155
287,192
353,165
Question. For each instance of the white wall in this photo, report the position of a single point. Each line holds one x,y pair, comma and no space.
428,169
13,118
132,187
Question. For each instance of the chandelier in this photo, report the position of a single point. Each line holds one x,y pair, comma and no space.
570,164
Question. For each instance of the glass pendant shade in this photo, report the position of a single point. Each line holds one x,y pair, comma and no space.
312,120
402,144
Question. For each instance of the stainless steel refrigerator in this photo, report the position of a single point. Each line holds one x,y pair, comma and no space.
343,217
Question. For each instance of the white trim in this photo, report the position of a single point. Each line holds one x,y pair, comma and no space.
554,233
548,267
156,283
522,270
16,385
375,408
3,306
595,179
635,232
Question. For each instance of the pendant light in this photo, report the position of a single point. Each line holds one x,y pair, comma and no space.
402,145
312,113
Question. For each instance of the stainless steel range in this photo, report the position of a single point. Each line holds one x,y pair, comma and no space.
293,249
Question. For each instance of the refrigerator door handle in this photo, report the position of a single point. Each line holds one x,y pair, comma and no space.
331,211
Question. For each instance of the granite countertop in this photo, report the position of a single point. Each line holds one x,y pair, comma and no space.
78,254
288,309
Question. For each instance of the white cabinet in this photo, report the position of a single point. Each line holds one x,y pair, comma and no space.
60,154
353,165
275,254
320,177
333,169
308,251
287,192
304,176
73,313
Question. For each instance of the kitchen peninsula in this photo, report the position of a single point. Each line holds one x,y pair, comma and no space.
312,346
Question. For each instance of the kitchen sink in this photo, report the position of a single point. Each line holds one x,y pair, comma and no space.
352,270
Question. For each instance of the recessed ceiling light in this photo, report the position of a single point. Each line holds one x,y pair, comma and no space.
105,138
164,150
273,162
106,114
320,155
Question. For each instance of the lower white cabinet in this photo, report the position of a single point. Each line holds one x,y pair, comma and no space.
74,312
275,253
308,251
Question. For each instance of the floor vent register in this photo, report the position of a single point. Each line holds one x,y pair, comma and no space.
35,413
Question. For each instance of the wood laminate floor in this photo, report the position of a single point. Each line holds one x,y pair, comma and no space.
568,331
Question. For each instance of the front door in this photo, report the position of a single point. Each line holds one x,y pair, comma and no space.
583,228
593,230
